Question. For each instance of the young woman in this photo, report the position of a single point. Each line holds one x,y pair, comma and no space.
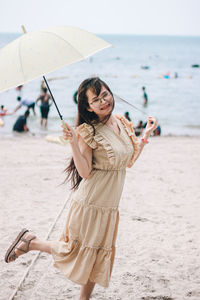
103,146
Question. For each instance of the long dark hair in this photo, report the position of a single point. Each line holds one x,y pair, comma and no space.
85,116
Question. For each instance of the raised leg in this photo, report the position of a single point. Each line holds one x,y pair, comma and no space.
40,245
25,242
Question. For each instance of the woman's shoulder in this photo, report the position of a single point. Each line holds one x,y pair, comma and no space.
84,127
124,121
86,131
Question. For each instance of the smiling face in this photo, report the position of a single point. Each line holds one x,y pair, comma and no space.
102,105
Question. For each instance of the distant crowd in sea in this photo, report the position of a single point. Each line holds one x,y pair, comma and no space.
44,101
141,125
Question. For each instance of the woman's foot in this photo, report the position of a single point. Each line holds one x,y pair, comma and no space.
20,245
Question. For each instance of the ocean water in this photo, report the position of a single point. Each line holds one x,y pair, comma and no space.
175,102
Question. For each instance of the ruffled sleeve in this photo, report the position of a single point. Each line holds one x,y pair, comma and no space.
86,132
131,133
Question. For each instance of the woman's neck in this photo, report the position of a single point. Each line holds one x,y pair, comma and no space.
106,119
111,121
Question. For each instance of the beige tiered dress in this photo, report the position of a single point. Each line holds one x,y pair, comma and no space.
86,249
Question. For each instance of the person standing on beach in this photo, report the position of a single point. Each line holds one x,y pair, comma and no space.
103,146
46,102
20,124
145,97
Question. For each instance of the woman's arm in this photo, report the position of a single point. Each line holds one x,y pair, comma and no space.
151,126
82,153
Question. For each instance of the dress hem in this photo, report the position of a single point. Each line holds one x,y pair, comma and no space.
78,282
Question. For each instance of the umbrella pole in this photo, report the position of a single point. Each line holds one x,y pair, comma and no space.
61,139
61,117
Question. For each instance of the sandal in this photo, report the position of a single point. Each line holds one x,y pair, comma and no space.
10,254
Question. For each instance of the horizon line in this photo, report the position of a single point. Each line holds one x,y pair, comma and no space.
125,34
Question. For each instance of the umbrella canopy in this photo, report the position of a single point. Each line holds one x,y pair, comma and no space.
38,53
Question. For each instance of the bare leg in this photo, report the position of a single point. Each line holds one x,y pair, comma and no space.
41,121
33,108
45,123
40,245
35,244
86,290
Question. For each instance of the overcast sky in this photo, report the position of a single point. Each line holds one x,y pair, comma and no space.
168,17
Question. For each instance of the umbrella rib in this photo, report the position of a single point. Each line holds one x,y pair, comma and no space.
20,58
65,42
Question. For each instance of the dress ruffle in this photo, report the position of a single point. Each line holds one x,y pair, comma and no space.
87,246
107,146
86,132
131,133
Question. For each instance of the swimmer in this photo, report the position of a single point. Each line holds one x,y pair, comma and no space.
4,111
127,116
145,97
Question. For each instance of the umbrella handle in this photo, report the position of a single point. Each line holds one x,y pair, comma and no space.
61,138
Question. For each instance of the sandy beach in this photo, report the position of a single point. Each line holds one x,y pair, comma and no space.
158,244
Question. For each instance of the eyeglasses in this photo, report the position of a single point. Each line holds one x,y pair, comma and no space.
97,101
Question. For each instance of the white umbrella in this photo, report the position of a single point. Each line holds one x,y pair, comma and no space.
37,53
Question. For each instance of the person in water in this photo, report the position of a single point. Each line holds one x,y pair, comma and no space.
19,89
4,112
30,104
157,131
45,103
127,116
103,146
75,95
145,97
139,128
20,125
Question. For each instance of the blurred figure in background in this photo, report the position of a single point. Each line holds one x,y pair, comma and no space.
157,131
30,104
145,97
20,124
3,112
127,116
19,89
75,96
175,75
45,104
139,128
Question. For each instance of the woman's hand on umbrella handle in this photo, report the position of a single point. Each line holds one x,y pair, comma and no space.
68,133
151,125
